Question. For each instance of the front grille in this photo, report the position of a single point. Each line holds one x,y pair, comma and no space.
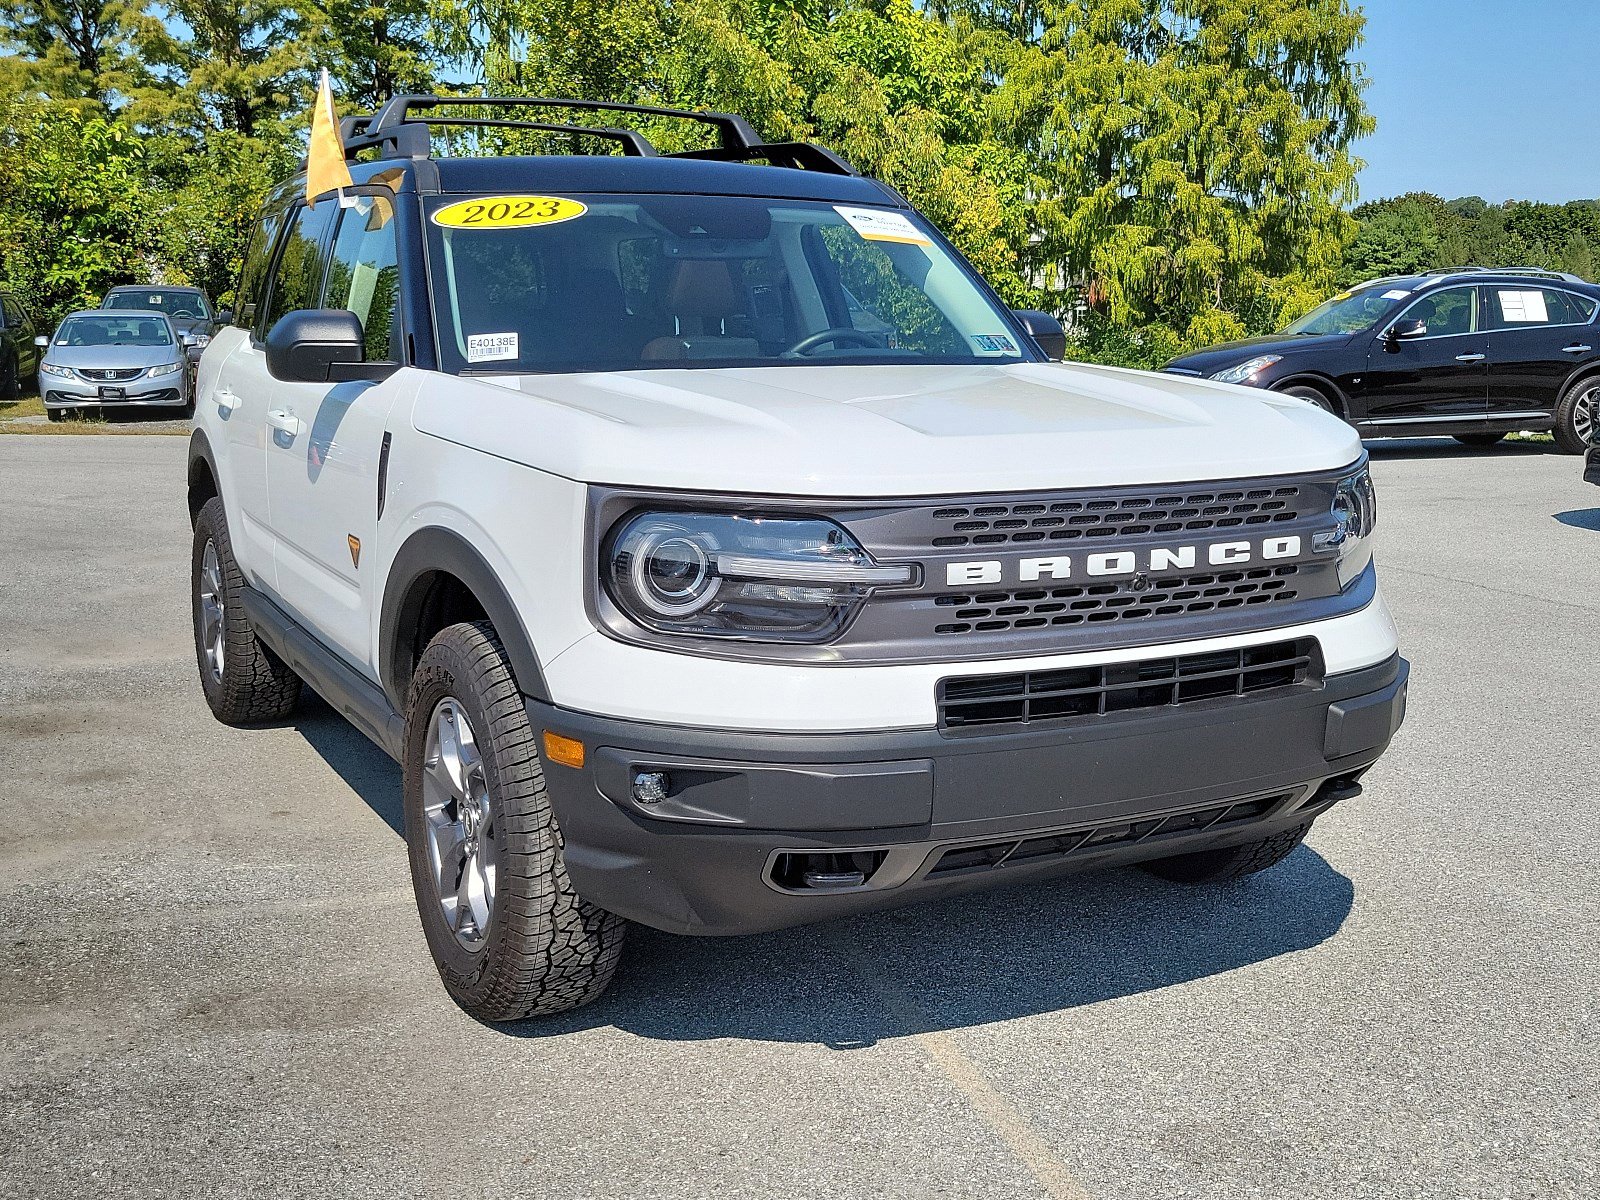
1167,596
110,375
1046,847
1123,516
1025,697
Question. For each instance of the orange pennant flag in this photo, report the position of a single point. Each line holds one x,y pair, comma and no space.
326,169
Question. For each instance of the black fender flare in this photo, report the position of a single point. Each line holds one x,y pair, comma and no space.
199,452
432,549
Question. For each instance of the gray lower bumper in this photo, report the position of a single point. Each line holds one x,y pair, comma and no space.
719,855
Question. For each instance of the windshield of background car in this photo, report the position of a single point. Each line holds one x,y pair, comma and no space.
174,304
616,283
113,331
1350,312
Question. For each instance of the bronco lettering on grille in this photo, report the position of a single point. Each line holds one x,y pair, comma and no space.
1113,563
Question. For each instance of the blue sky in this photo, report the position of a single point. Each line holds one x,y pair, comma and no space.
1490,98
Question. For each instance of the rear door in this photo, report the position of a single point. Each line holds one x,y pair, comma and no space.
327,442
1537,337
1439,377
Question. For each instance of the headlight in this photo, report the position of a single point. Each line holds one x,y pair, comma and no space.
166,369
1355,515
1246,372
770,579
58,371
201,340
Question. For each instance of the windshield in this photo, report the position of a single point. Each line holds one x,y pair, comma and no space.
612,283
174,304
113,331
1352,311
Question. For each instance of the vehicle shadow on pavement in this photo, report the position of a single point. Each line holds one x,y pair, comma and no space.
1580,518
1433,448
942,964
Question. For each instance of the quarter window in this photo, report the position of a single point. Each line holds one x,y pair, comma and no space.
1516,308
1447,312
297,282
364,272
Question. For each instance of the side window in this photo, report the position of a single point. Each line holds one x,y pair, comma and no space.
297,278
364,273
13,312
1446,312
253,274
1514,308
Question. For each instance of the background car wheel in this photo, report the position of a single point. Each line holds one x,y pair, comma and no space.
245,683
56,414
1230,862
10,384
1575,416
509,935
1307,392
1479,439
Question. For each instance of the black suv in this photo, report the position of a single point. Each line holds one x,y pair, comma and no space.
1475,353
19,357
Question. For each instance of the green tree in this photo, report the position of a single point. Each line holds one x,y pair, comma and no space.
70,50
374,50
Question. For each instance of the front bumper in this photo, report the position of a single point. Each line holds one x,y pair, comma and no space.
160,391
924,812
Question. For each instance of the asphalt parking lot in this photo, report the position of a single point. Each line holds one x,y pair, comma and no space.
212,981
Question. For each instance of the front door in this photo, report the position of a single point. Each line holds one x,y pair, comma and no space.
1440,376
1537,337
326,443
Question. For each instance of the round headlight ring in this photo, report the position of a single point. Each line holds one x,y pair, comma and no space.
671,573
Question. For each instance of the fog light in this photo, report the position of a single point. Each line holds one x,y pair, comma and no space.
650,787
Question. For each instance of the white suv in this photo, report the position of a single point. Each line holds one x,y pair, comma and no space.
714,550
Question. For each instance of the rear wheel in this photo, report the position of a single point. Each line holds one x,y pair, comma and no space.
1480,440
1575,416
510,937
245,682
1230,862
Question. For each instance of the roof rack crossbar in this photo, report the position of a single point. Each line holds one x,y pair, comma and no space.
733,132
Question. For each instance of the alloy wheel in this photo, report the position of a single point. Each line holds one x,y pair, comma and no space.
1583,414
460,824
213,611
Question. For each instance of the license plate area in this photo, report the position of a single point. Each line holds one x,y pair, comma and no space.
113,393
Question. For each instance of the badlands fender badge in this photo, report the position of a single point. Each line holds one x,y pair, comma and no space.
1124,563
355,549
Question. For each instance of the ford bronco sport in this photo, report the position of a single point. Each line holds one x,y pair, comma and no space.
714,550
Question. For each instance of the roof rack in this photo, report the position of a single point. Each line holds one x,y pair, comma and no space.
395,132
1537,272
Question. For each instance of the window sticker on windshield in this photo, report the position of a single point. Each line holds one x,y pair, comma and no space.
508,212
1396,294
491,347
1523,306
993,343
882,225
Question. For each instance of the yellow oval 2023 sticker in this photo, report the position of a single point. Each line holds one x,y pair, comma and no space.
508,212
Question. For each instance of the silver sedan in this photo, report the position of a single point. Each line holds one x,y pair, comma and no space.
101,359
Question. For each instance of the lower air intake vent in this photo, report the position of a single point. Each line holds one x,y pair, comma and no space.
1029,696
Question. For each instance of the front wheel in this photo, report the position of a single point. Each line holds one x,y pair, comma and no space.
510,937
1230,862
1575,416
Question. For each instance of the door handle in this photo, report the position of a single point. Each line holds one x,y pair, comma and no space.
225,400
1470,358
283,421
1575,348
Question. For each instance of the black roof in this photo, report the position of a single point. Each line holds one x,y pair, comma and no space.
1532,276
155,287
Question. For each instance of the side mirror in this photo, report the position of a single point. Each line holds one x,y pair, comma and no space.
321,345
224,316
1402,331
188,340
42,342
1045,330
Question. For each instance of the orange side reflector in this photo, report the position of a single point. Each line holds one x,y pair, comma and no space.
564,750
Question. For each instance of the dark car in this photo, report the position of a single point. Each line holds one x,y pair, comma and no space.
1475,353
186,307
19,356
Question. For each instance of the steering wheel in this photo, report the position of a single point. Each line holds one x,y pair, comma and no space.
182,312
835,334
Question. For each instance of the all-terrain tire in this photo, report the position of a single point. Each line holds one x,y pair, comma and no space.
1479,441
254,685
544,949
1576,415
1229,862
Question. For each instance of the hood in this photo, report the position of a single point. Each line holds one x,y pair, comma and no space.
884,430
1229,354
111,357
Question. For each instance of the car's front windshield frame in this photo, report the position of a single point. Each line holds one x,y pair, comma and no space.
1391,294
449,342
